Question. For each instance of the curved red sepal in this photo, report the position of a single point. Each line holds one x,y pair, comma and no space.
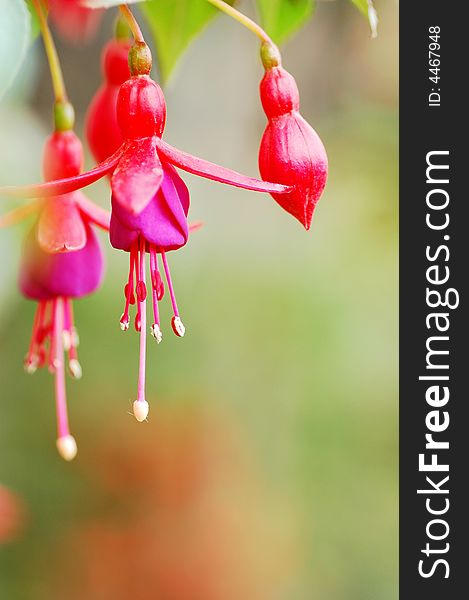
204,168
138,175
67,185
94,213
61,227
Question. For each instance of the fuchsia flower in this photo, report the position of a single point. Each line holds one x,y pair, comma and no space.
291,152
150,202
61,260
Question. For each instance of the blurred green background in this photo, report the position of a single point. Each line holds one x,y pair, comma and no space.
268,467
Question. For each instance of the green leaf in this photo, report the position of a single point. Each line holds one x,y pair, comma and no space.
174,24
281,18
367,9
14,39
362,6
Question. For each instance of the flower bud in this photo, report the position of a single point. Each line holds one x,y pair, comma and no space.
63,156
141,108
291,152
102,130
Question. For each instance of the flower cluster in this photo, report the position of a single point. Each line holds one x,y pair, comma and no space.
62,258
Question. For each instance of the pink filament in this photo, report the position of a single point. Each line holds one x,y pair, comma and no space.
170,283
38,320
138,321
57,345
69,325
143,327
130,281
154,269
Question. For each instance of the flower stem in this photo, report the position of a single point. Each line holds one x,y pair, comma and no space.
132,23
52,56
243,19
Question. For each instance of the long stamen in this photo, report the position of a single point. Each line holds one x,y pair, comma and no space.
140,405
67,332
129,290
31,361
176,323
138,320
69,328
155,281
44,332
66,444
52,358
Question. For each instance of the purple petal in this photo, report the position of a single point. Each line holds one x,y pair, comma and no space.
72,274
162,223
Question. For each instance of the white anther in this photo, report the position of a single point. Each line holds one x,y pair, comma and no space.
66,340
75,368
124,323
30,365
75,338
156,332
178,326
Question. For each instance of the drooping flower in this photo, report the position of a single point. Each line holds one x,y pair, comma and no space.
291,152
102,130
61,260
150,202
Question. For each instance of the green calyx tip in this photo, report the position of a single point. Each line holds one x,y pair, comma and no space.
140,59
270,55
64,116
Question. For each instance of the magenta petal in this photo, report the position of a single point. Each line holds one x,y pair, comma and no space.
204,168
162,223
138,175
71,274
64,186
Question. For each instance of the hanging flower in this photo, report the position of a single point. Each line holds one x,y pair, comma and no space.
61,261
291,152
150,202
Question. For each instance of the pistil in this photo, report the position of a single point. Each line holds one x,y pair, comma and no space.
140,406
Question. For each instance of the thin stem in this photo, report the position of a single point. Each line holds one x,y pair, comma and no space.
132,23
52,56
243,19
